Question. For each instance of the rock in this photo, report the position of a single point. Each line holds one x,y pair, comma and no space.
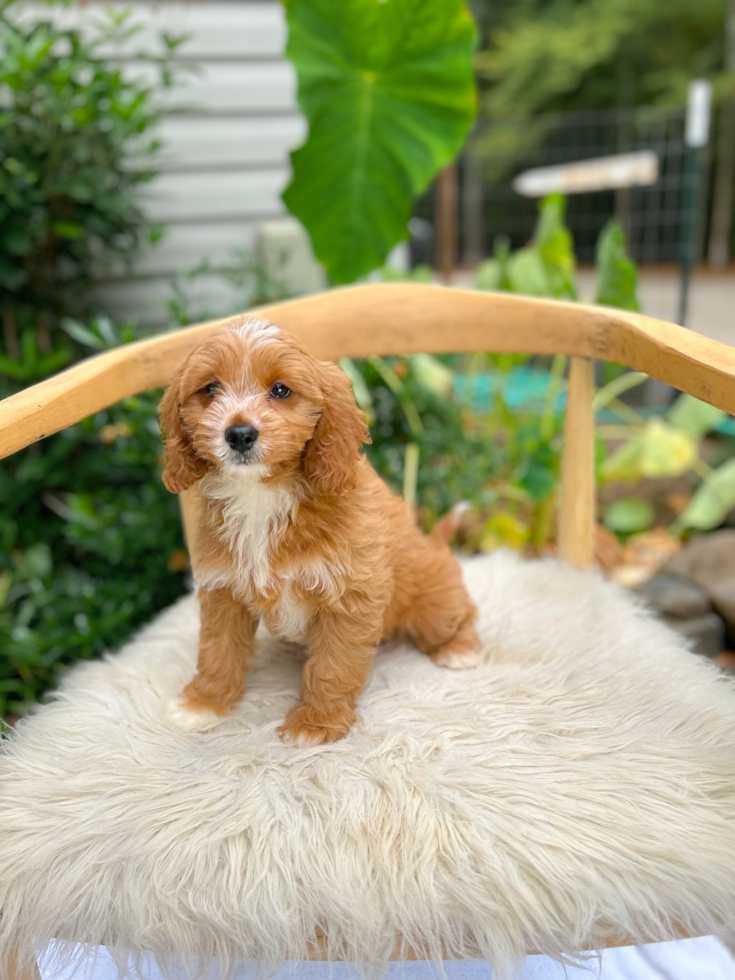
709,562
706,559
674,596
705,633
726,662
723,599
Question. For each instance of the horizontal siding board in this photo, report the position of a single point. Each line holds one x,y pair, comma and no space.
185,246
236,196
200,142
144,301
227,133
246,87
215,30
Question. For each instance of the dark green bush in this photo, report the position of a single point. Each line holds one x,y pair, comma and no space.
75,148
89,546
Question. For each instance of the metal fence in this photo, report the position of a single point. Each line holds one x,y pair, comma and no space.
651,216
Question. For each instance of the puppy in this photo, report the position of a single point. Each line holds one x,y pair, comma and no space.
296,529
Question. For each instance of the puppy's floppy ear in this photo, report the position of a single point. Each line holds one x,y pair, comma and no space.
331,455
183,466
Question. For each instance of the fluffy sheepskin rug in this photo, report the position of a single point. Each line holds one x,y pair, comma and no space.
578,785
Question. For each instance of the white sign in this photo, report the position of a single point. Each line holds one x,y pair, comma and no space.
601,174
699,102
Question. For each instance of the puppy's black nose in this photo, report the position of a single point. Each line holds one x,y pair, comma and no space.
241,437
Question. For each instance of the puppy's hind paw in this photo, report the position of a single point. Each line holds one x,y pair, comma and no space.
463,652
190,716
457,659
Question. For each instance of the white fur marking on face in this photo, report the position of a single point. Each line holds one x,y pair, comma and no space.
181,716
226,406
253,515
256,330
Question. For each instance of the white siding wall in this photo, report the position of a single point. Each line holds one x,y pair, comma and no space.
233,121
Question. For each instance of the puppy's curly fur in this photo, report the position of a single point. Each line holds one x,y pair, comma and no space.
297,529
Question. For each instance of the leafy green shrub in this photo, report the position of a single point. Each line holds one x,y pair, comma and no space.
75,149
90,543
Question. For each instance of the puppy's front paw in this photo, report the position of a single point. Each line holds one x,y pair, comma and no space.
192,715
305,726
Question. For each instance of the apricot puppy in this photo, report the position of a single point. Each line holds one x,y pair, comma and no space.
298,530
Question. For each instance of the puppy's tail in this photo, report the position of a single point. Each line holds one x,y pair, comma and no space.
446,527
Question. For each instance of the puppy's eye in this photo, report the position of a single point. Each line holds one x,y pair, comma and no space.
280,391
213,388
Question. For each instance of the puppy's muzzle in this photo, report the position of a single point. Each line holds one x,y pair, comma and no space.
241,438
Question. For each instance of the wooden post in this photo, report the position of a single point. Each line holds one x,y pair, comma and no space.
473,218
446,222
722,197
577,516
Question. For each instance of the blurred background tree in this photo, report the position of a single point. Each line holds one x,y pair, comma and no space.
543,56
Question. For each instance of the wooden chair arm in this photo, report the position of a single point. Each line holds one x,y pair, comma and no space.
398,318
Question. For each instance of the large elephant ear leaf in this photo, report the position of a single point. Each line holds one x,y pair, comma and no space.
388,89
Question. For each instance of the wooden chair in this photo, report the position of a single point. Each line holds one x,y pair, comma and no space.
407,318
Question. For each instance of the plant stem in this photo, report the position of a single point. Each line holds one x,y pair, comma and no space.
558,368
411,473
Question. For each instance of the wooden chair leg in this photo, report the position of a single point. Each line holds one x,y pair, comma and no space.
32,973
577,515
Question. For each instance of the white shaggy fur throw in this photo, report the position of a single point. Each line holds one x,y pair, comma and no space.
580,782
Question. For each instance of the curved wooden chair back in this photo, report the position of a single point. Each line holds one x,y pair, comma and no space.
409,318
404,319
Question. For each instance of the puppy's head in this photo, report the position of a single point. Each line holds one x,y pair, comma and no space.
251,396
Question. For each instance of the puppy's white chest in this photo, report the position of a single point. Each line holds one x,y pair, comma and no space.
289,618
252,517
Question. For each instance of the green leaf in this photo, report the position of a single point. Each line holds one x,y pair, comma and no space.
67,229
554,242
432,374
488,275
389,93
666,452
539,480
82,334
712,502
694,417
629,515
617,275
656,451
527,274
